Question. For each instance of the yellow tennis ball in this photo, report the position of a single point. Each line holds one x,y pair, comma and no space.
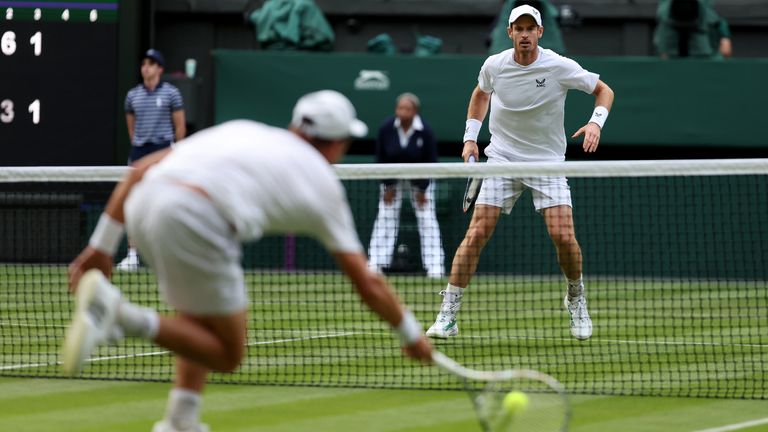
515,402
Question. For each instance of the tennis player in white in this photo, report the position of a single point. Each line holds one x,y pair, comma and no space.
188,209
526,87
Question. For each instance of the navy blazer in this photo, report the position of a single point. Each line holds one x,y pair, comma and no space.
421,147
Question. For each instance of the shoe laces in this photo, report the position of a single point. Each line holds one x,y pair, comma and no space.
578,308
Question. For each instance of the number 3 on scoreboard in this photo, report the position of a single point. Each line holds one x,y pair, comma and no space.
6,111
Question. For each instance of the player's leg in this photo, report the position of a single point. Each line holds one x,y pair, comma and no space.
385,229
103,316
432,254
217,343
184,401
182,410
481,227
496,195
552,197
559,222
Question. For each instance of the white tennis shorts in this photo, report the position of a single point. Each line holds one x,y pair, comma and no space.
504,191
190,246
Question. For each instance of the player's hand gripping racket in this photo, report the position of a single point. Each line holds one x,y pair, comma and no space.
514,399
473,187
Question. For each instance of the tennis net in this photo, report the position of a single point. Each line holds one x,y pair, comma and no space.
674,258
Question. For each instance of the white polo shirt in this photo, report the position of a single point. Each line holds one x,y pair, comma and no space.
528,104
264,180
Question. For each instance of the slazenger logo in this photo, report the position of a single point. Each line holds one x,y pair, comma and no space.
372,80
540,83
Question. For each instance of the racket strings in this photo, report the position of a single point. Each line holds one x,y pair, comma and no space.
546,409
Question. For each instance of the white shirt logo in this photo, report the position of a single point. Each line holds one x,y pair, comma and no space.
372,80
159,102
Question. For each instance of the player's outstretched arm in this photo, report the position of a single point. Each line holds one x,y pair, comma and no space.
377,295
593,129
109,230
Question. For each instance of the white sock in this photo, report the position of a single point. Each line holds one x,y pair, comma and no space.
138,321
453,293
575,287
183,409
132,252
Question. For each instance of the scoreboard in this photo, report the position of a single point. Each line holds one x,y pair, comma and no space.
58,82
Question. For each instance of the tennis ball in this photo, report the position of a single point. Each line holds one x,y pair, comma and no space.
515,402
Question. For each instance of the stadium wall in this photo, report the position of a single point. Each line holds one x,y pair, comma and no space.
695,103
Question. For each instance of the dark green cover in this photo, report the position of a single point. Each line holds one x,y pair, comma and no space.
292,25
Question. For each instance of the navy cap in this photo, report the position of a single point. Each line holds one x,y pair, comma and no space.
155,55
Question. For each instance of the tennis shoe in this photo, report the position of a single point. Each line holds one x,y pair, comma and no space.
444,327
167,426
581,324
129,263
94,321
445,324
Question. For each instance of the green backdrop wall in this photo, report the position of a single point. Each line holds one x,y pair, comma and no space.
683,102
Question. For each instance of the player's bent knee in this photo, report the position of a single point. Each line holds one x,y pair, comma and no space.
231,361
232,344
230,365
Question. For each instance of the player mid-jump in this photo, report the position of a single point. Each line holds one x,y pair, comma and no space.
526,88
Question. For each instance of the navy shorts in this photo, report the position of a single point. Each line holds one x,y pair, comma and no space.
138,152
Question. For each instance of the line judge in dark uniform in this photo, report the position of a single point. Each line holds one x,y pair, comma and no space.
154,113
406,138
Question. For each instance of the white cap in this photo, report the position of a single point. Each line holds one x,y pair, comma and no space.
525,10
327,114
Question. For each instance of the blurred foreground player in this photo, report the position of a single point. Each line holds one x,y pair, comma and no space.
188,209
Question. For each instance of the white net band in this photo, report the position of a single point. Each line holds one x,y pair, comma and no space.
592,169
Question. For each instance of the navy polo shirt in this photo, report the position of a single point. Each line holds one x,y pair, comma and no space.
153,111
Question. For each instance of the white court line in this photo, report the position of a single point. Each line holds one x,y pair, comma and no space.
737,426
25,366
607,341
164,352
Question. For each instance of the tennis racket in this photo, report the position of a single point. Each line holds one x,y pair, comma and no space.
473,187
544,407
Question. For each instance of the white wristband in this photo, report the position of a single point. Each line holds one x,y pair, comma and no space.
409,329
599,115
472,130
107,235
